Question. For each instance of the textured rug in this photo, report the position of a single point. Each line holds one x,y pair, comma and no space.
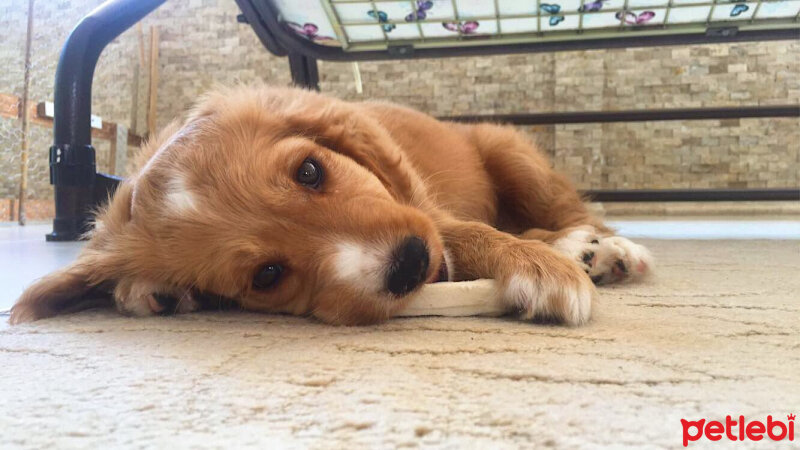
715,333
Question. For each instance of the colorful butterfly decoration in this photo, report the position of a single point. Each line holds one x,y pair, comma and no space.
596,5
463,27
738,9
382,18
422,11
630,18
552,9
308,30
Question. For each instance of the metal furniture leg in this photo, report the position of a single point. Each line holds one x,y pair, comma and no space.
72,157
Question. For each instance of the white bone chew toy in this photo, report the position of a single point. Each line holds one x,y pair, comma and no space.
457,299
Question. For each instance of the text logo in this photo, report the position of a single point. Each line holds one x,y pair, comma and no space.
738,430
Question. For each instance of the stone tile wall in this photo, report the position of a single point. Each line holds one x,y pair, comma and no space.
202,44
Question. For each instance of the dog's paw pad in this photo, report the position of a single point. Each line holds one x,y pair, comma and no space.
619,267
588,258
162,303
141,298
168,304
618,260
580,245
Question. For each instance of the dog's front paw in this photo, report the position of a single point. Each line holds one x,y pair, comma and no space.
618,260
580,244
143,298
607,260
550,286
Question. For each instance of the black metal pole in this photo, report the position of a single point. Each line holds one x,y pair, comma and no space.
72,157
643,115
693,195
304,70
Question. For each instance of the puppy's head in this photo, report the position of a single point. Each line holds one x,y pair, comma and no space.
283,199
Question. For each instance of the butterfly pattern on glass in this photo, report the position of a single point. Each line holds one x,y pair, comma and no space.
526,20
631,18
421,12
553,9
593,6
307,30
464,27
382,18
738,9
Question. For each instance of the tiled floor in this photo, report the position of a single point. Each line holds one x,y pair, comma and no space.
708,228
25,256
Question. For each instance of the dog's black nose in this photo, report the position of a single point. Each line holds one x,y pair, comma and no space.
409,266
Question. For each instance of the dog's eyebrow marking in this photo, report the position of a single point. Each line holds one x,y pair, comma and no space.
362,266
179,198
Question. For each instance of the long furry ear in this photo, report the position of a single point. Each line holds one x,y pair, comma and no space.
88,281
67,290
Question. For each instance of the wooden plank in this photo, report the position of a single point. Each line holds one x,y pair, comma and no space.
140,35
112,156
153,100
107,132
135,99
117,156
138,69
25,143
9,106
134,140
121,157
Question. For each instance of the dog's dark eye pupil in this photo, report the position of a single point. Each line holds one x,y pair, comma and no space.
309,173
267,276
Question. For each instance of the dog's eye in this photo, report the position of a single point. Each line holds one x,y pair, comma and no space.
267,276
310,173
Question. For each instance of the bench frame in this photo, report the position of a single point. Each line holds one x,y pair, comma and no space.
79,189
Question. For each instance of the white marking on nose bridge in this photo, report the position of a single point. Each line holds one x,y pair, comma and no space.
179,197
363,266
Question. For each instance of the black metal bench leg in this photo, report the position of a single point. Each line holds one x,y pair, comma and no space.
304,71
78,188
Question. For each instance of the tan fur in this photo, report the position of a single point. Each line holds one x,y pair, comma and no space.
213,198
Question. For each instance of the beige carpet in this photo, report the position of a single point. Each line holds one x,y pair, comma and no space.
717,332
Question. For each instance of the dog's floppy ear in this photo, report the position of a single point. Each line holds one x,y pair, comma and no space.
85,282
67,290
